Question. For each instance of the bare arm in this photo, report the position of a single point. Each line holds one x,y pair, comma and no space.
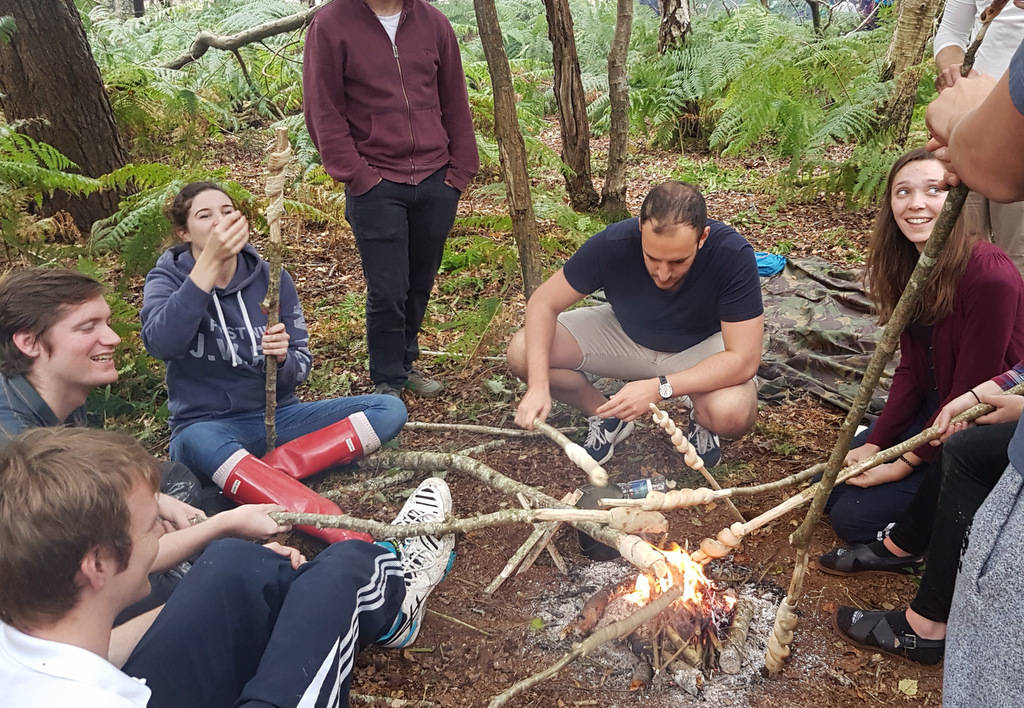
736,365
552,298
248,521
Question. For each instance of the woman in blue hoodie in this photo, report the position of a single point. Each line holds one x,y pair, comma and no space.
202,316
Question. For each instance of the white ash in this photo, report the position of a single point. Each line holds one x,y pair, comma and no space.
612,665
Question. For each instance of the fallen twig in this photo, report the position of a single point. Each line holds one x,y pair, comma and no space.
456,620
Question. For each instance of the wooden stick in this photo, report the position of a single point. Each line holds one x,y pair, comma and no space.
689,453
482,429
606,634
725,546
544,542
278,163
579,457
632,520
634,549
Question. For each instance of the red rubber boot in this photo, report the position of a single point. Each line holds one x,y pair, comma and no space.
345,441
249,480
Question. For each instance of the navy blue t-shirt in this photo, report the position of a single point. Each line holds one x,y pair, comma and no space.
721,286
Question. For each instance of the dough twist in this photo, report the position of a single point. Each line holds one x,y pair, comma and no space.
781,637
726,542
677,499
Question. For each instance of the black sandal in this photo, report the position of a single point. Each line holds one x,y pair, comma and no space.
854,560
871,630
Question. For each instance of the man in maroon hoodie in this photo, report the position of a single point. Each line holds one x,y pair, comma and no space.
386,104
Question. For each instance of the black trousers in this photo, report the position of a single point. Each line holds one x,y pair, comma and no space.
863,515
939,518
245,629
400,230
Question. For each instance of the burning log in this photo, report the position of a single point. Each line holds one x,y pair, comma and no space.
730,659
606,634
689,452
592,610
576,454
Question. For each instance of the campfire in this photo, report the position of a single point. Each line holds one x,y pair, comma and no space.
700,633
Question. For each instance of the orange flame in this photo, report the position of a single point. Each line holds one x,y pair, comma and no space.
695,583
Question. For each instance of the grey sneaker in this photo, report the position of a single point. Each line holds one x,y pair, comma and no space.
421,385
426,559
602,436
386,389
705,442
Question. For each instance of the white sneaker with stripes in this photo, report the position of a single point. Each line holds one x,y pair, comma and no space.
426,559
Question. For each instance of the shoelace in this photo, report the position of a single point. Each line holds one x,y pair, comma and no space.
703,439
595,433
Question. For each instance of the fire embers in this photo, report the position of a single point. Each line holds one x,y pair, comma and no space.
690,640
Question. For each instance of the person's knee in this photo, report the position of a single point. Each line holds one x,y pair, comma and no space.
731,421
387,416
516,354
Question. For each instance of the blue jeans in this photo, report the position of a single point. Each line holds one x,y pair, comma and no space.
245,629
204,446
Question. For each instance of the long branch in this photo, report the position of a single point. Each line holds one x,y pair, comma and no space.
631,520
206,40
483,429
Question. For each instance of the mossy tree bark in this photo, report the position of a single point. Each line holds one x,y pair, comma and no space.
914,26
511,148
49,78
572,106
613,196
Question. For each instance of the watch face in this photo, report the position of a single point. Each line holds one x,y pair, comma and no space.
665,390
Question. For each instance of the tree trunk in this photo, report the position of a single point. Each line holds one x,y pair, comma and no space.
914,26
572,106
675,24
47,71
815,15
511,147
613,197
139,6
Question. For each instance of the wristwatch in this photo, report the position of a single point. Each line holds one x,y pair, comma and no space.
664,387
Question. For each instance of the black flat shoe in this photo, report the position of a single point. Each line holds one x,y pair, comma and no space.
854,560
872,630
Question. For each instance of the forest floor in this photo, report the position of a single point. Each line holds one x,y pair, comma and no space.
472,645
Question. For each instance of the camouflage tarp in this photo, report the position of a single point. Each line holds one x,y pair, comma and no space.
819,334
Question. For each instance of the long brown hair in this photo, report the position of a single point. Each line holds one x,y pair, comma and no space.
892,258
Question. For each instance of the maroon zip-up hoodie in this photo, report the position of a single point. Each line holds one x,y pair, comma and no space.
377,110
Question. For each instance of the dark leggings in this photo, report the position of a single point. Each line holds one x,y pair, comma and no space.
939,518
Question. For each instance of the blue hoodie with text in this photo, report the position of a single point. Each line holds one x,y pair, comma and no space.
211,341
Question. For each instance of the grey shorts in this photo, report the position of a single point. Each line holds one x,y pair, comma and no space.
608,351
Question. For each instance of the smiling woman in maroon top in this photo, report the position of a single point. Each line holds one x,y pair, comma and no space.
968,326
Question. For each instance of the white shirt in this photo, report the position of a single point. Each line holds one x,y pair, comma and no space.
390,23
40,672
957,29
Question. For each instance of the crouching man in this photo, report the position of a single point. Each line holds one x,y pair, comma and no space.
249,625
684,317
